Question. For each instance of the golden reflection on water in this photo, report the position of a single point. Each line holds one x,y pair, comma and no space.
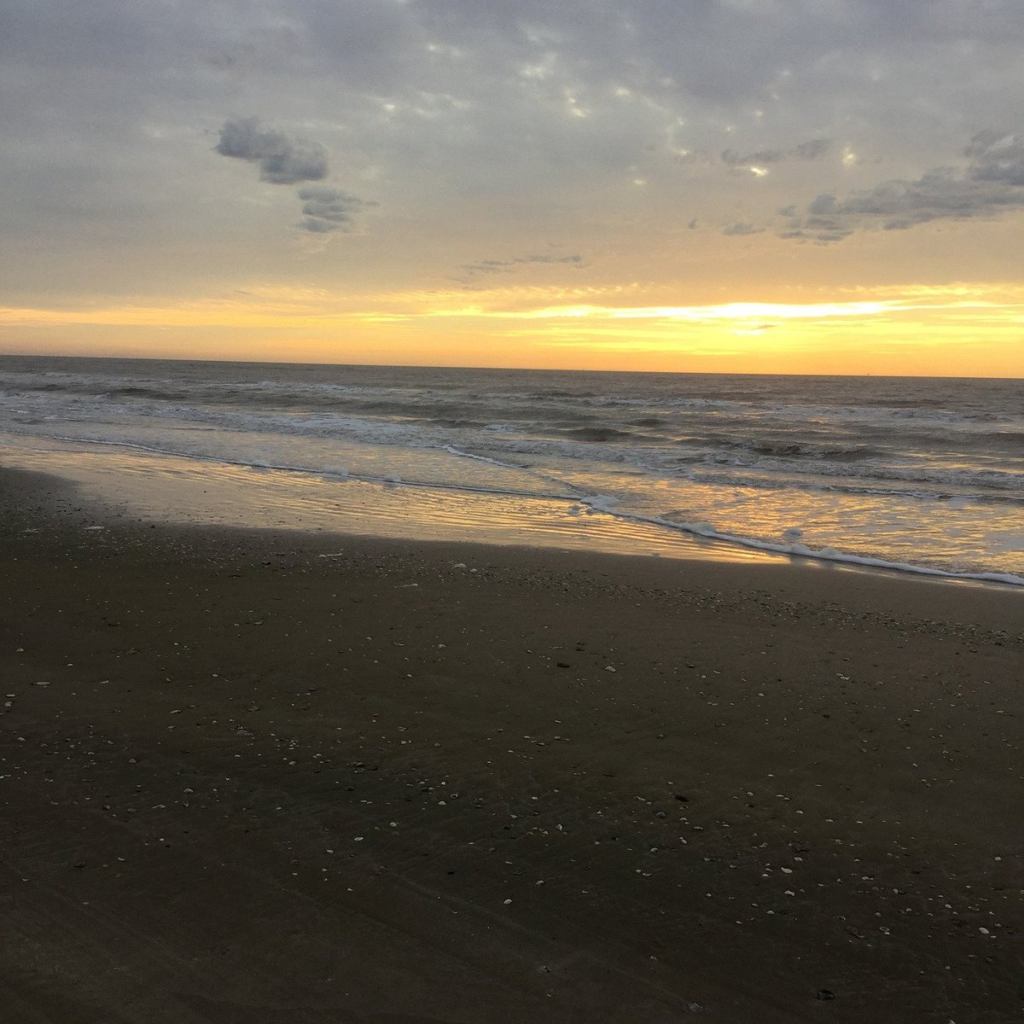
169,489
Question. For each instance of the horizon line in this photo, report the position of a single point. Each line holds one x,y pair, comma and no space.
511,369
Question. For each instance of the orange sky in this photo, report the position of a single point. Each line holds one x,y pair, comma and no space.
952,332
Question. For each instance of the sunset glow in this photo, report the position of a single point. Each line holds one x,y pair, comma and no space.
580,188
971,336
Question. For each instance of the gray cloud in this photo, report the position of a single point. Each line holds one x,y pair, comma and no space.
282,160
997,157
991,184
483,123
328,209
813,149
742,228
286,161
817,229
757,159
483,268
694,157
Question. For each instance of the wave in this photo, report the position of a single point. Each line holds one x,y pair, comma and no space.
828,554
598,434
786,449
931,477
557,490
847,470
717,458
160,394
965,489
851,431
902,452
452,450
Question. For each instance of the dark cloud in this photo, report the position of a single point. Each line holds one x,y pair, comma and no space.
991,184
327,209
282,160
286,161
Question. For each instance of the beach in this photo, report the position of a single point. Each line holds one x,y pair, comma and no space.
512,513
257,775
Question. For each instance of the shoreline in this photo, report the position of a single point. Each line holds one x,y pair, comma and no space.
376,780
173,489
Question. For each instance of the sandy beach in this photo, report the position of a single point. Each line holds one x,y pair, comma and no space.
262,776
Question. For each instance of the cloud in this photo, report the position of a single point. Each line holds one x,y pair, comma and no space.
282,160
763,156
501,121
327,209
693,156
997,157
990,185
742,228
481,268
287,161
813,149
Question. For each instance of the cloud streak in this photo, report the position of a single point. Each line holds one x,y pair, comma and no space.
742,228
992,184
327,209
482,268
813,149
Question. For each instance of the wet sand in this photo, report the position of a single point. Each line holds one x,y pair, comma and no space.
308,778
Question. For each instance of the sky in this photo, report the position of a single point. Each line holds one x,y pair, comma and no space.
767,186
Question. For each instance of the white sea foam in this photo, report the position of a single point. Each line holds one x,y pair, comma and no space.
452,450
828,554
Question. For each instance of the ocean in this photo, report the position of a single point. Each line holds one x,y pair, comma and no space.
920,474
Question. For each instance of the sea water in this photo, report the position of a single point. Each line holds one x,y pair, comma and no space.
924,474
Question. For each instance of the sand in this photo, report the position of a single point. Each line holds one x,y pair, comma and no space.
275,777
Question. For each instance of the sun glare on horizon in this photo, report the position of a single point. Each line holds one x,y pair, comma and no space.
952,332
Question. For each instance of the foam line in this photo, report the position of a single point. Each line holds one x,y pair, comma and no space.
827,554
452,450
604,504
307,471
